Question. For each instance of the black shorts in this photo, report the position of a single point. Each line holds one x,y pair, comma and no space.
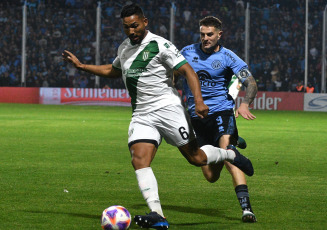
208,130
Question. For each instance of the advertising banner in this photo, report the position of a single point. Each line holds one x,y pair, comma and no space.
84,96
275,101
120,97
315,102
19,95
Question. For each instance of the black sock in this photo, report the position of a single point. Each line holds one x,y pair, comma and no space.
243,197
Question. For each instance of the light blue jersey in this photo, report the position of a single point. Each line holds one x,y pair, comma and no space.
215,72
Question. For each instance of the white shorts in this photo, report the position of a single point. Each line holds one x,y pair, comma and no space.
171,122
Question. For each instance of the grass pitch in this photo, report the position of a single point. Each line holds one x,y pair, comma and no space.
61,166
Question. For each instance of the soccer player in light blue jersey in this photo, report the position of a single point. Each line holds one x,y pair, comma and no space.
215,65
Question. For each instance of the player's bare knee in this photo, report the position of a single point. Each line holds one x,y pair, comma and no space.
212,178
136,163
139,162
210,175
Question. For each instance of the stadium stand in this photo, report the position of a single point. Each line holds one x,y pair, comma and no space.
277,34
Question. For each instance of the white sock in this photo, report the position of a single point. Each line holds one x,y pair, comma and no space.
215,155
149,189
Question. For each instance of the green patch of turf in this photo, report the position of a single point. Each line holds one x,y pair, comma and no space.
61,166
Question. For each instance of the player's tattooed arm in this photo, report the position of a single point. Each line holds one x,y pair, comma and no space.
251,90
249,82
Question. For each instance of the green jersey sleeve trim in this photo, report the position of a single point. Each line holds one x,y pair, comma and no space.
180,64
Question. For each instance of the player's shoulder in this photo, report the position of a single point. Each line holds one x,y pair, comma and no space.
229,54
161,41
124,44
225,51
153,37
190,48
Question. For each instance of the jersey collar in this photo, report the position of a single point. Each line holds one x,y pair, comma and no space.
144,40
220,48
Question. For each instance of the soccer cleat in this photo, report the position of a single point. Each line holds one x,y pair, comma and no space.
241,143
241,161
248,217
151,220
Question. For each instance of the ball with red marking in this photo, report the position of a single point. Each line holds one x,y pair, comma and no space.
115,217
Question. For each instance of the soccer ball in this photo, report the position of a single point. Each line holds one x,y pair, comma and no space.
115,217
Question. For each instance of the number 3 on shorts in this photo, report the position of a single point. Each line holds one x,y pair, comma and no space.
183,133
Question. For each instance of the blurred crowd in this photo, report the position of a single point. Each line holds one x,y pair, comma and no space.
277,38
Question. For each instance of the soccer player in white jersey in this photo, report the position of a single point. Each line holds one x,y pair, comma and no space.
146,63
234,88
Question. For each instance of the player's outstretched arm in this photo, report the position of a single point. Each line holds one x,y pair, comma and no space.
250,93
186,70
101,70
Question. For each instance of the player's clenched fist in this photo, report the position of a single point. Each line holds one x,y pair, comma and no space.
201,110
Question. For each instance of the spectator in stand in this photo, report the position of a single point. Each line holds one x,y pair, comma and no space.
261,84
4,79
4,67
300,87
286,83
64,82
293,85
313,52
274,73
70,3
30,81
83,81
269,85
187,14
278,84
13,77
45,82
310,88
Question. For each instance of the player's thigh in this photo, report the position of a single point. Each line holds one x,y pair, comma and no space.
226,128
224,141
143,141
212,129
206,130
141,129
174,125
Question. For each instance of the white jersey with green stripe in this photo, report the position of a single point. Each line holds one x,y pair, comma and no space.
147,70
234,87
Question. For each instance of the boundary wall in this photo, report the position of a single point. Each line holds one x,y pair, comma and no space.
120,97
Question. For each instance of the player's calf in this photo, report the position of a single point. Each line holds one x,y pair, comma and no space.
241,161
